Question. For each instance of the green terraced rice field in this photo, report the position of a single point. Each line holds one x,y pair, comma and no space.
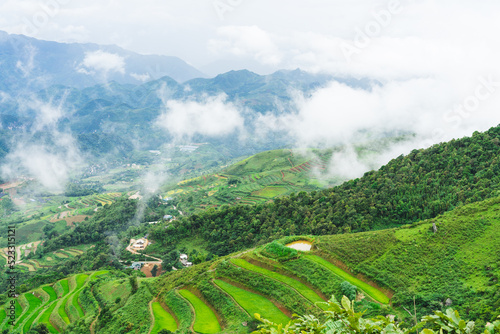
205,320
3,316
71,252
163,319
254,303
62,310
96,275
80,280
370,290
27,324
301,288
65,287
33,304
52,293
270,192
45,318
60,255
76,305
19,309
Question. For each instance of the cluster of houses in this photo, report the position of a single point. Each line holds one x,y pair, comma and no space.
183,258
139,244
136,265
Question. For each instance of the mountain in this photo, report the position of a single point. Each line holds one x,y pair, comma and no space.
111,97
30,64
125,112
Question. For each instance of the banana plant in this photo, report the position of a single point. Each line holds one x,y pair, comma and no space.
449,322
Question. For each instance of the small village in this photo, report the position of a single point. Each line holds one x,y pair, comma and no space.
140,244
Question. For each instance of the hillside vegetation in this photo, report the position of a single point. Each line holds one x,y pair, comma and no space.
421,185
455,265
254,180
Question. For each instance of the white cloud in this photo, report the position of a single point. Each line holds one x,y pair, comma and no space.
337,114
51,166
432,109
212,116
102,62
27,64
47,114
50,163
246,41
4,97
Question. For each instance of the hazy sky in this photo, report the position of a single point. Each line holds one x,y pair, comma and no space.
405,38
435,63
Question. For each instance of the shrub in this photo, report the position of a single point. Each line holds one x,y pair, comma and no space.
277,250
348,290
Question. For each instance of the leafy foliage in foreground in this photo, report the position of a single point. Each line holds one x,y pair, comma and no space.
342,319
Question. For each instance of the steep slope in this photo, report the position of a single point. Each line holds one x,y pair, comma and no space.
421,185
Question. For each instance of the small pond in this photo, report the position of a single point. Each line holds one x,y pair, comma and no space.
301,245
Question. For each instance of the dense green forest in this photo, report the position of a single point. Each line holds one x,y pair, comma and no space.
418,186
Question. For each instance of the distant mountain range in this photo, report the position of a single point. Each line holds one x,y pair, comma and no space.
27,62
110,95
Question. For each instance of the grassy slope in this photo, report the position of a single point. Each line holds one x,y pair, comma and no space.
260,177
254,303
33,303
163,319
80,281
205,319
45,298
181,309
42,309
52,293
300,287
45,318
459,262
373,292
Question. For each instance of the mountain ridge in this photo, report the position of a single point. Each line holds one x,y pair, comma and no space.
63,63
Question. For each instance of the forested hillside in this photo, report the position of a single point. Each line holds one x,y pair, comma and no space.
421,185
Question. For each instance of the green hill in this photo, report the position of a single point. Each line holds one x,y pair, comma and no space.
421,185
422,232
454,265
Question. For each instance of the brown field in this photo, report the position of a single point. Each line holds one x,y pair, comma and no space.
71,220
147,267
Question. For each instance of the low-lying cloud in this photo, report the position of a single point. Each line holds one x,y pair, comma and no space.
43,151
27,64
212,116
426,110
49,165
101,62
